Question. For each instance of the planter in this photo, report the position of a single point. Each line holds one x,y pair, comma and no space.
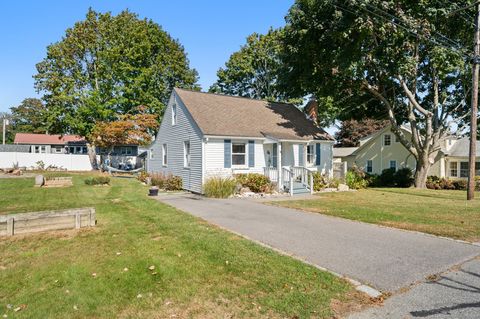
153,191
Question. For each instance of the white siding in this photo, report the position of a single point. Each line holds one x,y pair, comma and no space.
174,136
214,158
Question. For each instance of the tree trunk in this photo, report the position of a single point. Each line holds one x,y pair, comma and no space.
421,173
92,154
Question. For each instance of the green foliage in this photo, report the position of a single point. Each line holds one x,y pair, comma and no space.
403,177
351,131
166,182
257,183
108,65
387,177
219,187
356,178
253,70
460,184
29,117
97,180
435,182
319,181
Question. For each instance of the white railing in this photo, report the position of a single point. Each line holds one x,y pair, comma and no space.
304,176
271,173
287,180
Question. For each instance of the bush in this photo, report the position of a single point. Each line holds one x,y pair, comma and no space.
387,177
167,182
257,183
356,178
219,187
142,177
460,184
173,183
403,177
333,183
319,181
99,180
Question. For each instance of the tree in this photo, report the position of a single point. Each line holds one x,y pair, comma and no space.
407,56
253,70
128,129
105,66
29,116
351,131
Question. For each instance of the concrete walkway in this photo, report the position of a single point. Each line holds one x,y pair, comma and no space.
384,258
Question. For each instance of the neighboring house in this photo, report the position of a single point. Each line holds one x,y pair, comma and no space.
55,144
204,135
383,150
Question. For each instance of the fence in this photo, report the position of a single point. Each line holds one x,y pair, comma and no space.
72,162
48,220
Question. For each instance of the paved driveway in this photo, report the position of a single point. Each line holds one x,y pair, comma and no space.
385,258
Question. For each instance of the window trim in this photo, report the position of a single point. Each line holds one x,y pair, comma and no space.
312,154
369,168
164,155
174,114
187,155
390,164
151,153
245,154
390,139
451,169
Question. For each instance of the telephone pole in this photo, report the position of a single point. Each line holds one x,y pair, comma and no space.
5,123
474,111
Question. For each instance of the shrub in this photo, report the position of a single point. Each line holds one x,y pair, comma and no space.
173,183
219,187
333,183
159,180
460,184
477,183
356,179
319,181
98,180
257,183
387,177
142,177
403,177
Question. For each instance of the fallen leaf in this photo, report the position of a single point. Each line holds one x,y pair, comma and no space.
151,267
125,269
94,275
119,253
75,307
139,296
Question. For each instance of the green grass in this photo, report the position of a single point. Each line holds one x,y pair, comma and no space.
438,212
200,270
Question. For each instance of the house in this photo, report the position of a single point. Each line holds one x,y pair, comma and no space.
204,135
52,143
382,150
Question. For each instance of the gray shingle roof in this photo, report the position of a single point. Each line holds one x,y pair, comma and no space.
343,151
15,148
224,115
461,148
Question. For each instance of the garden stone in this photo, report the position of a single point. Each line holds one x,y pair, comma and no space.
39,180
343,188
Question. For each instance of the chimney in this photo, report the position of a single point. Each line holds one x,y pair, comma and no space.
312,110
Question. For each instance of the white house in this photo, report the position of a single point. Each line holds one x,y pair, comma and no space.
205,134
382,150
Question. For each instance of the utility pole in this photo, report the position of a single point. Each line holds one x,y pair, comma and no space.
474,111
5,123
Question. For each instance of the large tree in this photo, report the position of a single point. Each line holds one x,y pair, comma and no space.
253,70
352,131
29,116
407,56
105,66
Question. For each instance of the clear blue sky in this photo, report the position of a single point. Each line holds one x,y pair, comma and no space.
210,31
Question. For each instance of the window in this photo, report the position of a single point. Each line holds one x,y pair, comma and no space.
84,150
310,154
463,169
477,168
387,140
393,164
58,149
174,114
453,169
397,140
238,154
369,166
126,150
186,154
40,149
151,153
165,155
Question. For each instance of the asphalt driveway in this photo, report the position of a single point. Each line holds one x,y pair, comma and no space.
384,258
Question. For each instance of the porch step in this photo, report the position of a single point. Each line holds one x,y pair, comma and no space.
299,188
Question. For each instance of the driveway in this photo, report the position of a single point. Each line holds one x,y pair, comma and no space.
384,258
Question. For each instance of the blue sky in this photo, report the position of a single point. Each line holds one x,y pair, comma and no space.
210,31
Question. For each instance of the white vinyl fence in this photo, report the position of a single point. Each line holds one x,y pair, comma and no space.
71,162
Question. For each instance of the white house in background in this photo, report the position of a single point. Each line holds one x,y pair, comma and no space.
382,150
204,135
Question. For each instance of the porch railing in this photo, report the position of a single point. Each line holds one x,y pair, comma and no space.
304,176
271,173
287,180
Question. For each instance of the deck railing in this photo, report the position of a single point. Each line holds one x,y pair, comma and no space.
271,173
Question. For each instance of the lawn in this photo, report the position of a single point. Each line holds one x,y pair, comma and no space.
103,272
439,212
